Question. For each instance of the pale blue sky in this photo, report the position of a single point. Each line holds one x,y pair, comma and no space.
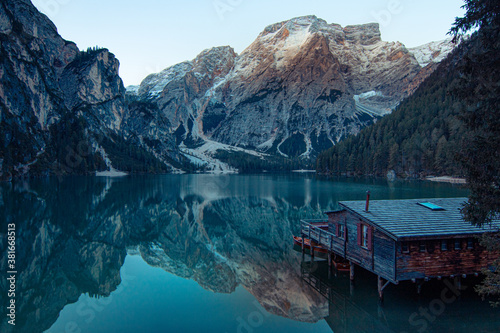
150,35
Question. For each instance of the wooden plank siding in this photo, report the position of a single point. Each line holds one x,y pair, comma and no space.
434,262
384,255
354,252
378,257
384,252
339,244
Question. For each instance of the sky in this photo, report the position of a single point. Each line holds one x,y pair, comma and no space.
148,36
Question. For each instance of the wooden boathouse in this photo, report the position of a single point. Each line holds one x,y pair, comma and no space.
398,240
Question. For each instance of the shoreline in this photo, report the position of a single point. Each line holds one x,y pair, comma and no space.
446,179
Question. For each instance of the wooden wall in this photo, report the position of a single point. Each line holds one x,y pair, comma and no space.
378,259
385,256
434,262
338,244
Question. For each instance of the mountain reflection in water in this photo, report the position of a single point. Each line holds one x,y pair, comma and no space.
222,231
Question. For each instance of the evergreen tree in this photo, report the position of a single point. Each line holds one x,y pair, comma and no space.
479,88
406,140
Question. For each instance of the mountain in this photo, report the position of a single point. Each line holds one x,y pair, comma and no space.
299,88
62,109
433,52
421,137
166,104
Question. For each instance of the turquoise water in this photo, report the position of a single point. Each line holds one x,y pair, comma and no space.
152,300
203,253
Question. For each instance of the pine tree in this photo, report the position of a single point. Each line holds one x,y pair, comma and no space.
479,88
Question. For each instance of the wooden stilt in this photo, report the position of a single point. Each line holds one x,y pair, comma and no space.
419,286
380,285
312,252
351,271
329,265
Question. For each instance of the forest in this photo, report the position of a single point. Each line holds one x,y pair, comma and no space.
420,137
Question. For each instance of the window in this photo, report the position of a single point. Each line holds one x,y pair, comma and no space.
430,246
341,231
365,236
458,246
405,247
422,247
430,206
444,245
470,244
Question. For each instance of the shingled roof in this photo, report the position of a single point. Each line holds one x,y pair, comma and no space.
414,218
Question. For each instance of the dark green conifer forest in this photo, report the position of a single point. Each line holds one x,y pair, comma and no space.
450,125
421,137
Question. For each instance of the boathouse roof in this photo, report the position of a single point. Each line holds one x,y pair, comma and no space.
418,217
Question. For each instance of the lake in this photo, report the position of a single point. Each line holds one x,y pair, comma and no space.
205,253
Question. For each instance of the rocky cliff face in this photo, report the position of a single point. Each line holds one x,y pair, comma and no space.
301,85
167,106
299,88
29,92
433,52
92,80
62,110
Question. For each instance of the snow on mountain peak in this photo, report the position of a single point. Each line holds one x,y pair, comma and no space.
208,61
154,84
292,24
432,52
132,89
283,40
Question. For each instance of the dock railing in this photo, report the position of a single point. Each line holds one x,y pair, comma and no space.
312,229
